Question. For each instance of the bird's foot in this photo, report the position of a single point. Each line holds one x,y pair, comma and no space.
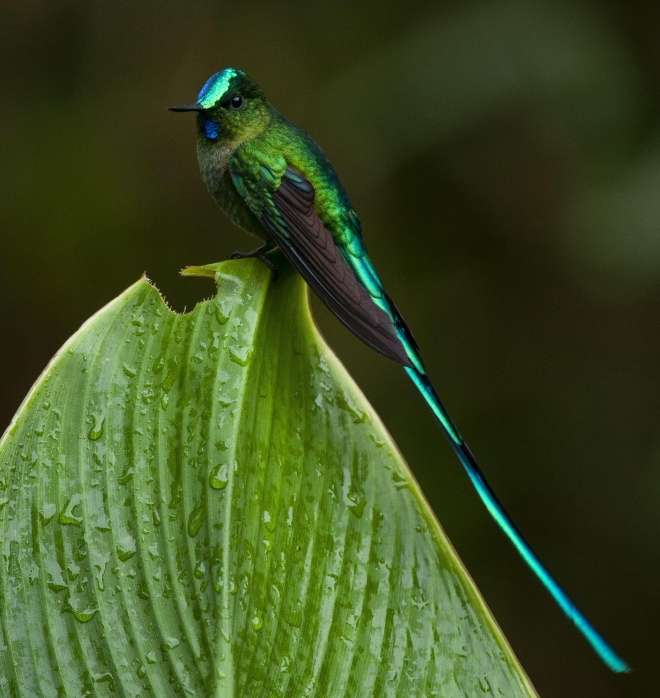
260,253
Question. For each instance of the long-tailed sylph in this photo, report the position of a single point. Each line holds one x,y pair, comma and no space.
274,181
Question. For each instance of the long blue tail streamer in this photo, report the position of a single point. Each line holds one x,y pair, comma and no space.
602,649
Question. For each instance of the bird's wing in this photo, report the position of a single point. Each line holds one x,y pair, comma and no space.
285,206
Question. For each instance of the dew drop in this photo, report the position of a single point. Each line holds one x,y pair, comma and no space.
378,441
143,591
169,643
222,313
356,503
83,616
47,513
345,402
99,571
269,521
105,677
200,569
126,547
95,432
195,521
68,514
72,569
56,581
256,622
240,355
170,379
126,477
219,478
399,480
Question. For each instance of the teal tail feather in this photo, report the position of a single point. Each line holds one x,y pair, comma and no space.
602,649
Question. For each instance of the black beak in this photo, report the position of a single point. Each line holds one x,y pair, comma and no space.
188,107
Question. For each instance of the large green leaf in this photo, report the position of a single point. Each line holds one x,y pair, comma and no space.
205,504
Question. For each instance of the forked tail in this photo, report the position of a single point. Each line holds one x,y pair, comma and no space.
603,650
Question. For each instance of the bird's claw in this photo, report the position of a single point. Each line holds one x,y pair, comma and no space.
260,253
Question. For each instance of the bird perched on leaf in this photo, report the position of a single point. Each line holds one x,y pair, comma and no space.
273,180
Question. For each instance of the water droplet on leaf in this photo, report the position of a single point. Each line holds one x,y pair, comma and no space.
69,515
169,643
96,430
240,355
83,616
126,547
219,478
199,570
195,521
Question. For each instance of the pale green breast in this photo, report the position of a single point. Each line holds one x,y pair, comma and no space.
213,160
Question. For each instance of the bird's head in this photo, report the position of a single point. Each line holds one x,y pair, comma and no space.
230,107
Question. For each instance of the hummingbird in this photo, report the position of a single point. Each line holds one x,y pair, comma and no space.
273,180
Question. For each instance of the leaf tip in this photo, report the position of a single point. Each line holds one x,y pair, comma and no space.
205,271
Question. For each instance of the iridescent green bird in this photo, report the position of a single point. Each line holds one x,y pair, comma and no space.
274,181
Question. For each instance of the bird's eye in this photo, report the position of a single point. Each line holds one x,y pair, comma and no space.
236,102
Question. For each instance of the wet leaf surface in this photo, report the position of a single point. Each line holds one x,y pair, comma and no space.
205,504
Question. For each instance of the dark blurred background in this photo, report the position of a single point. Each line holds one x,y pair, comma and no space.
505,160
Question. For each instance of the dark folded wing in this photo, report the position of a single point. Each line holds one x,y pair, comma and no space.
310,247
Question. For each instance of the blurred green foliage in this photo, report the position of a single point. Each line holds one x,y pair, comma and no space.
504,157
